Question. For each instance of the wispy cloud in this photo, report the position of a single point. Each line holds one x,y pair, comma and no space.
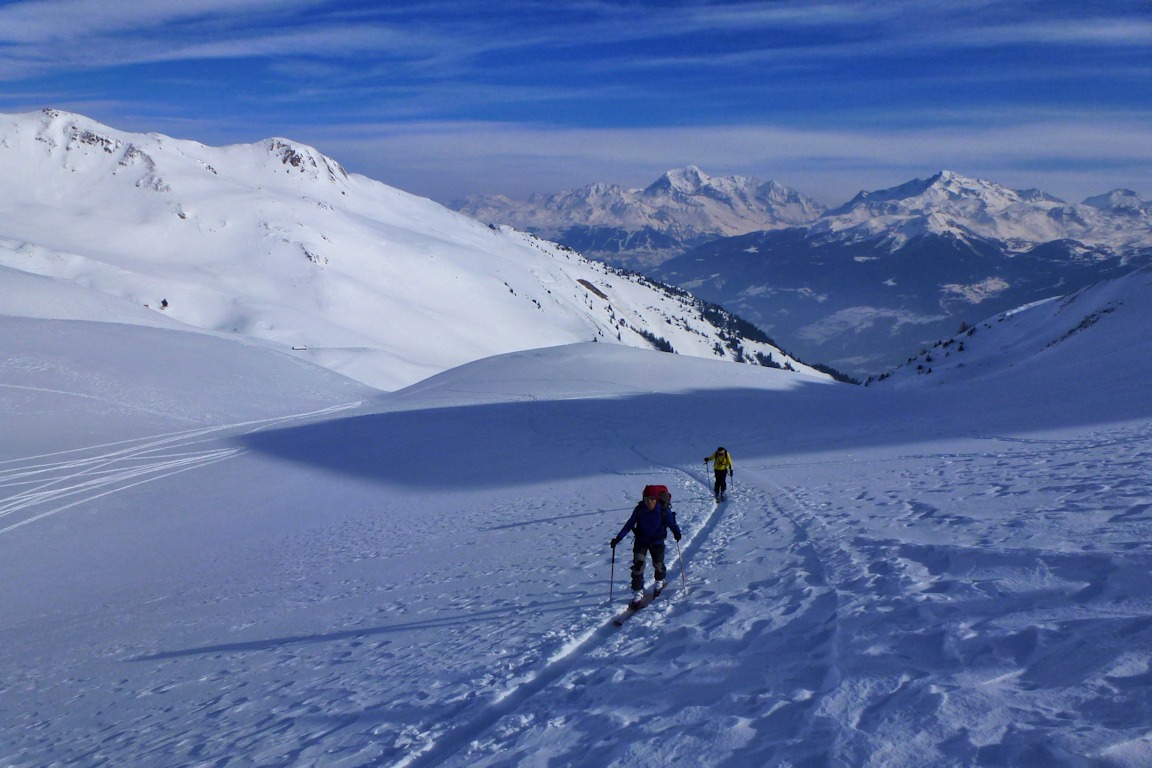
112,29
1047,151
1112,31
513,93
48,21
38,38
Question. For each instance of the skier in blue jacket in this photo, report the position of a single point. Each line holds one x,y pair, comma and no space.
649,524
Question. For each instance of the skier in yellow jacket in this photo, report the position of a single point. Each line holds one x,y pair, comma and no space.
722,464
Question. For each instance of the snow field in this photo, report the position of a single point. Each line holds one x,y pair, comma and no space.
219,555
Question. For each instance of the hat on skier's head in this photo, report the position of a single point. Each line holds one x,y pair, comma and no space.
721,450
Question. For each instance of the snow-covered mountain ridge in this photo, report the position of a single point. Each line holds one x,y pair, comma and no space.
687,208
275,241
1019,220
893,271
683,207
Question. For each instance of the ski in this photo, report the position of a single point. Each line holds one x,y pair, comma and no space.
624,615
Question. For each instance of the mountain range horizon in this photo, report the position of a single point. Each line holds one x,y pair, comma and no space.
689,170
690,181
863,286
854,290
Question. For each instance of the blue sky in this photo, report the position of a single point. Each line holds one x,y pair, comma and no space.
450,97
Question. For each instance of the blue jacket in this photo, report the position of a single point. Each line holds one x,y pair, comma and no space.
650,527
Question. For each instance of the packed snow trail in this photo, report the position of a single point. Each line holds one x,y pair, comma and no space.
571,659
731,590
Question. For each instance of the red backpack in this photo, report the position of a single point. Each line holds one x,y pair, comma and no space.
661,493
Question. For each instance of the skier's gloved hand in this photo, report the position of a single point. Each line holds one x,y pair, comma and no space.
614,542
676,535
731,473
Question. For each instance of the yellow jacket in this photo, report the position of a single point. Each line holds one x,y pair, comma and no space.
722,461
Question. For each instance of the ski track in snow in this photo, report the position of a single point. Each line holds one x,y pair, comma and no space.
571,657
36,487
645,649
824,623
901,637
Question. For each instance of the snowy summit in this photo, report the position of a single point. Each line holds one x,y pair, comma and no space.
684,207
949,203
276,242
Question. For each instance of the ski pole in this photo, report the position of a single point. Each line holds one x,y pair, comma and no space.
612,575
679,559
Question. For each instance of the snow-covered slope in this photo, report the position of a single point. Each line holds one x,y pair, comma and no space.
1048,333
683,207
276,242
213,553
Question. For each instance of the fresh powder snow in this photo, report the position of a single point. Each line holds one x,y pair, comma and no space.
215,553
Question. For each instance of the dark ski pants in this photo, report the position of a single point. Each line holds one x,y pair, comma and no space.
721,484
639,556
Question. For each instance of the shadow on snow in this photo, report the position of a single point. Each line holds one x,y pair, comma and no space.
527,442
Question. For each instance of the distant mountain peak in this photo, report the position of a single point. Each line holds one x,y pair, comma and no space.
1121,201
944,185
683,207
958,206
689,180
